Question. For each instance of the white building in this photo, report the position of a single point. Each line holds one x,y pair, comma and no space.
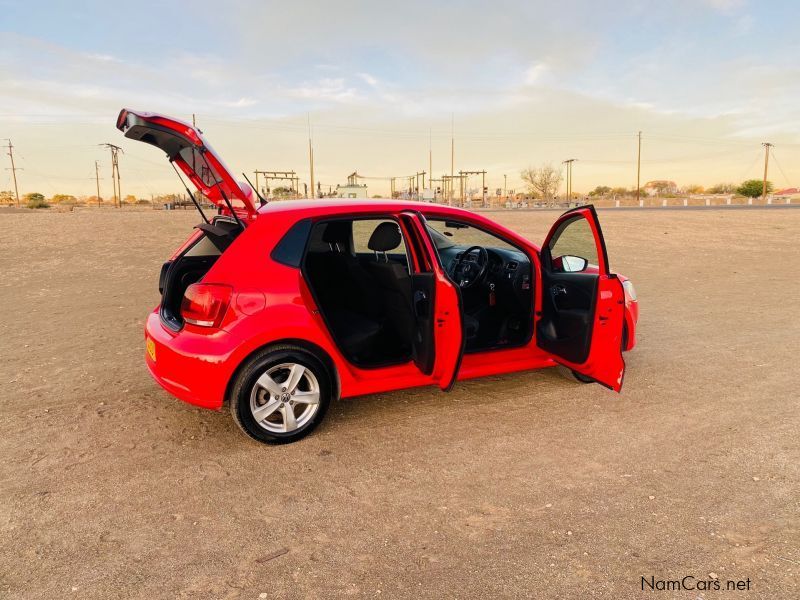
352,191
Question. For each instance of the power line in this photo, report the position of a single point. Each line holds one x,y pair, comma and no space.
775,158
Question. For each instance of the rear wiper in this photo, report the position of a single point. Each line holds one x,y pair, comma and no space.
197,204
260,197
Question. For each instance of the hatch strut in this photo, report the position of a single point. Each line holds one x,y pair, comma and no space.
260,197
202,214
202,150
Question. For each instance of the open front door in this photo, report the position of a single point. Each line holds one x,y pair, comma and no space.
439,339
583,304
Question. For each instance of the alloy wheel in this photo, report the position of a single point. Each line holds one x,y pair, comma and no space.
285,398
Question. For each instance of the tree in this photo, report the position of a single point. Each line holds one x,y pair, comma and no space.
129,199
600,190
543,181
621,191
7,197
722,188
282,192
35,200
94,200
753,188
693,188
63,199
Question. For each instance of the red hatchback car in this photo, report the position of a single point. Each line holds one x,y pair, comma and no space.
276,310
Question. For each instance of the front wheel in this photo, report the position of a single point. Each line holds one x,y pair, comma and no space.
582,378
281,395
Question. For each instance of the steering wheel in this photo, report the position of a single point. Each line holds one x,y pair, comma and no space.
468,273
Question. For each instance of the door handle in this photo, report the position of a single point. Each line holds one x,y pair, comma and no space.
421,304
558,290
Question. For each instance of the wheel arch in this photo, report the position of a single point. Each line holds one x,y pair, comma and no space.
309,347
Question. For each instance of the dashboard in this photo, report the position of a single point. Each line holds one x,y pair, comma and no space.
508,269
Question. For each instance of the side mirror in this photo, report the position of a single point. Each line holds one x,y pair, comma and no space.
570,264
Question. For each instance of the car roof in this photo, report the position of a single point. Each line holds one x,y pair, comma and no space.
300,209
372,205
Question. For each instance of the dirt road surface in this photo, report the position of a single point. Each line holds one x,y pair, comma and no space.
527,485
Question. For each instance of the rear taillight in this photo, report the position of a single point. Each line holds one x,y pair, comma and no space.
204,304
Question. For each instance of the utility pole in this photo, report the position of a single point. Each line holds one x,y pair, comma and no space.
452,154
194,123
569,162
290,176
505,186
115,178
638,169
430,158
13,169
311,155
97,180
767,146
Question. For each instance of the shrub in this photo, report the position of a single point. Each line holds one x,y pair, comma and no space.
36,200
753,188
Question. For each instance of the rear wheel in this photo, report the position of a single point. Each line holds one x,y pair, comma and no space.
281,395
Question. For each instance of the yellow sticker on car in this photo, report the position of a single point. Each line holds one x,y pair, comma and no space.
151,349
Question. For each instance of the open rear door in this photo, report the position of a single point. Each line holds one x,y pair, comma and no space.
583,304
186,148
439,343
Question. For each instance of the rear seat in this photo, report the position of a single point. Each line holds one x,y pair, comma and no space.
348,301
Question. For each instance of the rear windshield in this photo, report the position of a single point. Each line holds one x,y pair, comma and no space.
195,160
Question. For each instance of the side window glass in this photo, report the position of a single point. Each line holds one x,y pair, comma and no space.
573,247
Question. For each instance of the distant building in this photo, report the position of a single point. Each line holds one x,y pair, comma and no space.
660,186
352,190
793,191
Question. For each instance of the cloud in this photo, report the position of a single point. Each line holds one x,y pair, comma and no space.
536,72
512,66
725,6
368,79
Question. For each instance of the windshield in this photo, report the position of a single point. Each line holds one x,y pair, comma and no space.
439,240
447,233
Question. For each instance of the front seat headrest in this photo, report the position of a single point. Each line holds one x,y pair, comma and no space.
385,237
337,232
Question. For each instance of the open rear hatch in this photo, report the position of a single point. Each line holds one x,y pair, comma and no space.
186,148
188,151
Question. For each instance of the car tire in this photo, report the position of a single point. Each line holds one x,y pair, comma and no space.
582,378
281,394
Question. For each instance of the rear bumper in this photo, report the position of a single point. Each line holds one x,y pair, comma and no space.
192,367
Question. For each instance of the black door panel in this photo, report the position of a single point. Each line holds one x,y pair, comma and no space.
423,288
565,328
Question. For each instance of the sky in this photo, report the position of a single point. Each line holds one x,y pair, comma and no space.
517,83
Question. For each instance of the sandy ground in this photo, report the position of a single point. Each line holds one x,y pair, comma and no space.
528,485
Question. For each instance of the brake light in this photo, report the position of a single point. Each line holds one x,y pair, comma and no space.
204,304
